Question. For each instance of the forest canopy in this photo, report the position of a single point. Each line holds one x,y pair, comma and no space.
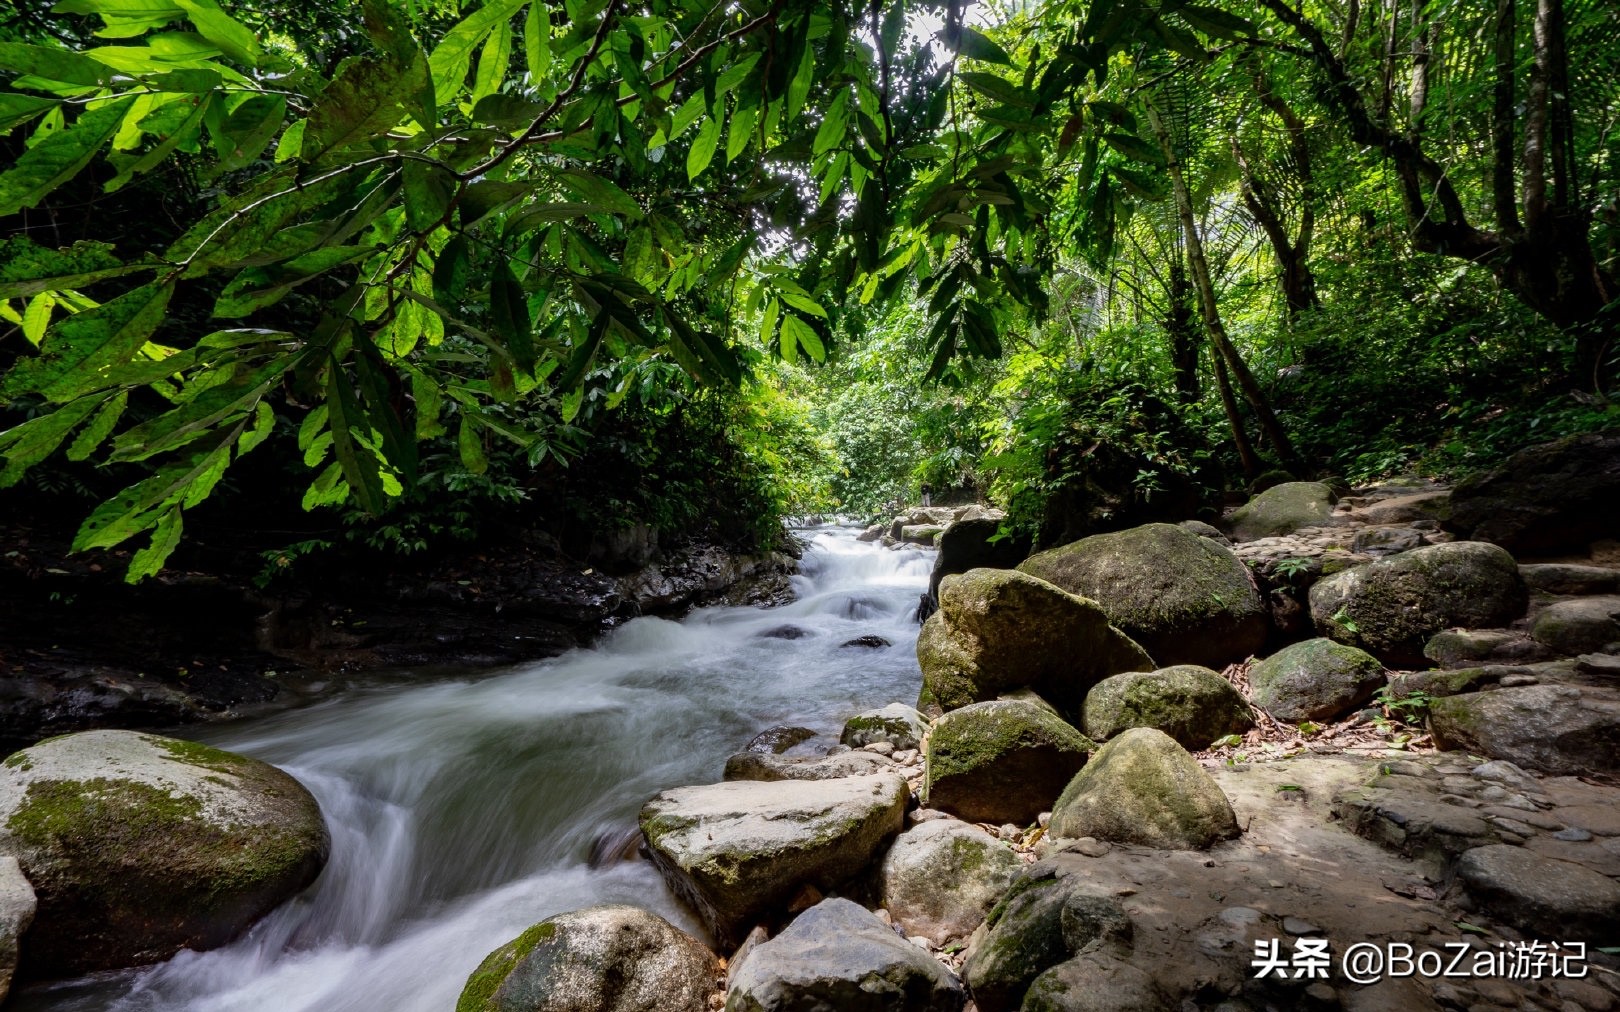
410,239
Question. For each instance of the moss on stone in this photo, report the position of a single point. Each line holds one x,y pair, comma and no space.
1191,704
197,754
968,739
479,993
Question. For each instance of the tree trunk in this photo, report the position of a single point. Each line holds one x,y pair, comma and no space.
1240,438
1183,332
1210,310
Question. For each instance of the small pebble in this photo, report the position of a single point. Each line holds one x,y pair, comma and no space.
1090,847
1009,832
1043,820
905,756
1299,926
1572,834
880,747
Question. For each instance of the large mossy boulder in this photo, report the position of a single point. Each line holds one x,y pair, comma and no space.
1391,607
17,906
968,544
1191,704
1143,788
138,846
942,877
1185,599
1585,625
1547,499
998,630
739,851
610,958
1097,981
1282,509
1000,761
1043,920
840,956
1567,729
1316,680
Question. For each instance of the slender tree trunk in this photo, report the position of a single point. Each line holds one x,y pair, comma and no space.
1210,310
1250,460
1183,332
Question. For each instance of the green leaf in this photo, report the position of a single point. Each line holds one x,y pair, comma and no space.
537,41
798,334
37,317
31,442
257,287
264,420
186,130
1180,40
509,315
973,44
429,190
803,78
200,415
741,131
99,427
703,147
16,110
248,129
149,560
1132,146
580,360
233,38
492,61
81,347
1215,22
830,133
53,64
604,193
59,157
996,88
452,271
359,464
124,18
804,304
471,446
362,104
453,55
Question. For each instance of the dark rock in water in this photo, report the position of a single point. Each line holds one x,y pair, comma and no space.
784,632
1556,497
870,642
837,955
778,739
600,959
613,846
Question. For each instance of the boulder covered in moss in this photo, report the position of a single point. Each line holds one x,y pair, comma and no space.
1191,704
1547,499
1097,980
898,724
138,846
1282,509
998,630
740,851
1143,788
941,878
1391,607
610,958
17,905
1000,761
1043,920
839,956
1585,625
1554,728
1184,598
1316,680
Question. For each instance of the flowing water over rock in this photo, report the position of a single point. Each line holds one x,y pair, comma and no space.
462,811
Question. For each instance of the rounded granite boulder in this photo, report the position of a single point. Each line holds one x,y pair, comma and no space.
138,846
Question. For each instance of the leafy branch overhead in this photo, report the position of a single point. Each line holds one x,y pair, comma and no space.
423,215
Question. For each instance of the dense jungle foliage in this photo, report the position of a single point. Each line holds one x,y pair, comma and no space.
400,275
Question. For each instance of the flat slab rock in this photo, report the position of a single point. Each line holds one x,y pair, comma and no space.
1196,916
837,955
739,851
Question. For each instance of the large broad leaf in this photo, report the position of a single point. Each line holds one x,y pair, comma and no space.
257,287
256,223
124,19
365,101
200,415
27,269
233,38
429,189
81,347
59,157
973,44
31,442
16,110
53,64
509,315
1135,147
593,189
703,147
453,55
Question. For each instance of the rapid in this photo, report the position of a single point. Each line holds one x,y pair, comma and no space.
463,808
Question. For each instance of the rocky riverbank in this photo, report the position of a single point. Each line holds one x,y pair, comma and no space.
81,649
1176,767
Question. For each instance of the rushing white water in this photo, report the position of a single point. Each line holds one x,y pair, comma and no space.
462,811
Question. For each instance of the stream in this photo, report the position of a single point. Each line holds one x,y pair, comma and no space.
463,808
